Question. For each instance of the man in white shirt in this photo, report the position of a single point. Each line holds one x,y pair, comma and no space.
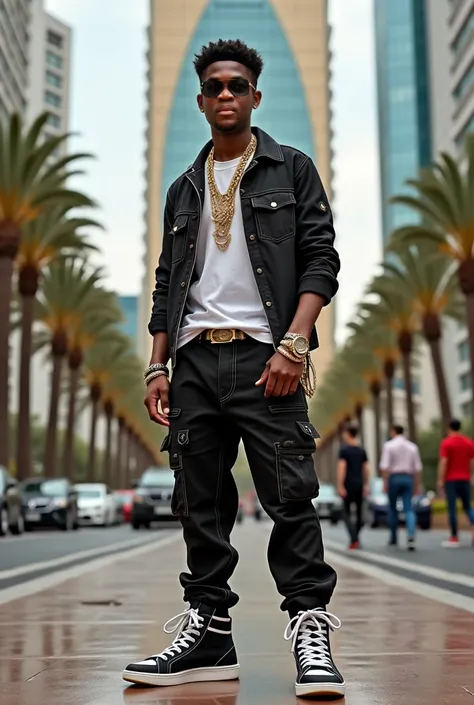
401,468
248,262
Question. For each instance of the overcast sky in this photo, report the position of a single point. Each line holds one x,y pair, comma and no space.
108,110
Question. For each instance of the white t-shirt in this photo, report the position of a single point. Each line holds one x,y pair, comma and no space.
225,295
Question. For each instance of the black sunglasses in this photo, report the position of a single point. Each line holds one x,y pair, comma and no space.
213,87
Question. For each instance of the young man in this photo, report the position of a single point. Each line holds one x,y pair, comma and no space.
456,468
247,264
401,469
352,482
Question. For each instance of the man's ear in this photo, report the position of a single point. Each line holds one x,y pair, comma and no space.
257,99
200,102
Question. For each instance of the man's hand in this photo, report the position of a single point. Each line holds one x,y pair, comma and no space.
366,490
342,492
158,394
281,376
385,485
440,487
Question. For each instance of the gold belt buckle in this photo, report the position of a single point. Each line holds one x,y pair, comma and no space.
222,335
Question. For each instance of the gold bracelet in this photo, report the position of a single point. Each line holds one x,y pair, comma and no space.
286,353
308,376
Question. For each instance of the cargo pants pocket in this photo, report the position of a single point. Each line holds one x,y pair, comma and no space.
179,499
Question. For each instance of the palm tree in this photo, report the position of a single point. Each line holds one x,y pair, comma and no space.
67,292
444,197
394,311
43,240
382,341
104,360
30,184
94,324
428,280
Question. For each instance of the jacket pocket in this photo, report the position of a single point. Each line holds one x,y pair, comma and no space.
179,232
275,215
296,475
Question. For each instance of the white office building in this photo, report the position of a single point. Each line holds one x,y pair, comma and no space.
14,40
461,38
49,70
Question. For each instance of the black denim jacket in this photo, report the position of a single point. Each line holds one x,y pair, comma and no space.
288,229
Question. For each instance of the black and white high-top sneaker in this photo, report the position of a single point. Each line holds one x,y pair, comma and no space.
203,650
317,674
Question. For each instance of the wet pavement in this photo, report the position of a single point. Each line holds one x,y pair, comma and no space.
67,645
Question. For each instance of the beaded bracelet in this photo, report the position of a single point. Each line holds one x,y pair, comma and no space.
155,367
154,375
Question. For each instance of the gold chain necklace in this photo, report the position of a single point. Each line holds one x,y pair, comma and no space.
223,204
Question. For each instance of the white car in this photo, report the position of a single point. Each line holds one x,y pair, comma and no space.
96,504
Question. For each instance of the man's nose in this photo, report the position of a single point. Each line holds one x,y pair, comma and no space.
225,94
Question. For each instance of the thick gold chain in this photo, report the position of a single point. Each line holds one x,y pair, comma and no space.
223,204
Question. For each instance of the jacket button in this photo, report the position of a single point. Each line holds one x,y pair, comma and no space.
273,204
252,237
191,247
259,271
268,303
183,284
175,228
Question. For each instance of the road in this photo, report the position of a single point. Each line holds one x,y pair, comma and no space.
38,554
66,643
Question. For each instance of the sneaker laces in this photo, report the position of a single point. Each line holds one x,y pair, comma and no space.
188,624
308,633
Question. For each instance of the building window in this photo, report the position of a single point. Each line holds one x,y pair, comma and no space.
463,351
55,39
54,121
465,84
53,79
466,410
465,382
54,60
52,99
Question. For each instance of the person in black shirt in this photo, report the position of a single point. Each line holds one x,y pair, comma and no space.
352,479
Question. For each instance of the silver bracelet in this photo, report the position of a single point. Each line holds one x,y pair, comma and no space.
154,375
155,367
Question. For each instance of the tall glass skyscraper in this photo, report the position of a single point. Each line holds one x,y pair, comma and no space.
293,37
403,85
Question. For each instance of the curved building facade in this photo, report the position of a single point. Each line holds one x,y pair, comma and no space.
293,38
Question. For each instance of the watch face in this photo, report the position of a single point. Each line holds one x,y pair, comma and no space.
301,345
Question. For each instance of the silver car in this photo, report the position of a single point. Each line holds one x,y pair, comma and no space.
328,503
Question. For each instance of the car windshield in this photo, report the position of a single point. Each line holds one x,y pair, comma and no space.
123,499
49,488
326,491
89,493
157,478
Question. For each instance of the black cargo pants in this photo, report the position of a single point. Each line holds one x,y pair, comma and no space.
214,404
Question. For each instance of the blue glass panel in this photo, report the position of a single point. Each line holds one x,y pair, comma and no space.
403,102
284,111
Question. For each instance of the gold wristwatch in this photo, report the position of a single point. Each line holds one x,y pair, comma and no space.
297,344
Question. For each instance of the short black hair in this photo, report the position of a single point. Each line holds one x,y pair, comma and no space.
352,430
398,429
229,50
455,425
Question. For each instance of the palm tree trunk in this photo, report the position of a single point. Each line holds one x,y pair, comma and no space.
466,284
128,443
107,473
359,414
6,274
92,440
375,389
470,328
68,452
50,455
389,371
23,440
433,333
408,384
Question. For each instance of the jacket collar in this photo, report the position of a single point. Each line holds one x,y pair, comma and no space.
267,147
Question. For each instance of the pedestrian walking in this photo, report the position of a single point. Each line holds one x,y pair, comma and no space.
401,468
353,482
455,471
247,264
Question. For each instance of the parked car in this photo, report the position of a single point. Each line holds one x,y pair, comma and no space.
124,499
328,503
152,497
49,502
96,504
11,511
378,507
